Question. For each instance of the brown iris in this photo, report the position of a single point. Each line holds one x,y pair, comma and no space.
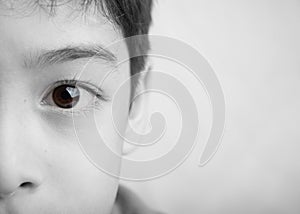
66,96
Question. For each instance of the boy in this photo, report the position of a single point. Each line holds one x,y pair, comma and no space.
44,47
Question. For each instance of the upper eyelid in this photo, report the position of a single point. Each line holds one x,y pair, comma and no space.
98,92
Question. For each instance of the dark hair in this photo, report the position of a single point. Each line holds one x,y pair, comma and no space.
133,17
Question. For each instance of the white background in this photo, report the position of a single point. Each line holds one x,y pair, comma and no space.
254,48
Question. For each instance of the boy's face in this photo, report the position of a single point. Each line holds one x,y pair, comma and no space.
42,168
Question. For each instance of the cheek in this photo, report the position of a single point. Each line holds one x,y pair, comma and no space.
76,183
71,177
73,181
66,138
71,171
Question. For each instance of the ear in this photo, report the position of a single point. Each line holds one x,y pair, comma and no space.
137,124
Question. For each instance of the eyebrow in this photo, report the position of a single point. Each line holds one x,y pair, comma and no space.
69,53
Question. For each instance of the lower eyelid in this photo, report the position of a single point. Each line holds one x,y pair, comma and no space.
75,112
90,88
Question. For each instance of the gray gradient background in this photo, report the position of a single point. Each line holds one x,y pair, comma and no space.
254,48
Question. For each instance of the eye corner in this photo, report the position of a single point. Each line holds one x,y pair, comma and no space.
85,88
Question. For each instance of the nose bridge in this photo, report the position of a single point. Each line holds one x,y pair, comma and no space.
17,118
10,178
12,114
16,146
11,157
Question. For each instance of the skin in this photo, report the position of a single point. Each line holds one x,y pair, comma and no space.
42,168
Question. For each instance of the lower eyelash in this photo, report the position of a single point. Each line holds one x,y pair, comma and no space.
95,105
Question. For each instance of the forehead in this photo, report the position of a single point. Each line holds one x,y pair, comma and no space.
29,26
49,5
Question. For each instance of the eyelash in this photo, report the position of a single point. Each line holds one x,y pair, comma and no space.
86,85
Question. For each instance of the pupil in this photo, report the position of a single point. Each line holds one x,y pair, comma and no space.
65,96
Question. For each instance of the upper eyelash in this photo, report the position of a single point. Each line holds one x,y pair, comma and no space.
74,81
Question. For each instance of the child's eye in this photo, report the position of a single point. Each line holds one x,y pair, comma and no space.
71,96
66,96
